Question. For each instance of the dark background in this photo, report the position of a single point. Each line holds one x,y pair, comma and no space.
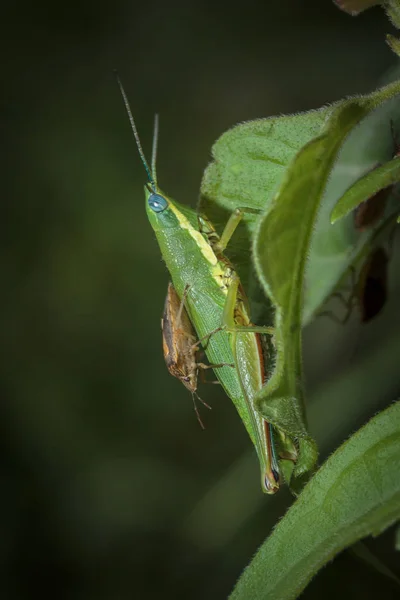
109,488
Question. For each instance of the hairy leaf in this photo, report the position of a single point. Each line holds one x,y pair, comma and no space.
355,493
280,253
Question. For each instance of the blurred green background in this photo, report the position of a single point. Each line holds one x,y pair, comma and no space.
110,489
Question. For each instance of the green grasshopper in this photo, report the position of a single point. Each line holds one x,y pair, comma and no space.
216,306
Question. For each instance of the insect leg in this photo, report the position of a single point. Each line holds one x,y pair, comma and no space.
348,304
231,227
196,410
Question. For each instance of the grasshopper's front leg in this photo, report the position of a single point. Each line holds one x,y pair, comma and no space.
230,228
219,243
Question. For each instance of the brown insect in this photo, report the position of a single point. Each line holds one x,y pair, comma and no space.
180,345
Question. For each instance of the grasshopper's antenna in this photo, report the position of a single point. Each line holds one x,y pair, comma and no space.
150,176
154,149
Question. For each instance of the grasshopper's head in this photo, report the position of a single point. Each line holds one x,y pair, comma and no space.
159,209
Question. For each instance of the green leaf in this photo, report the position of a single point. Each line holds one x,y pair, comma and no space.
259,162
394,43
355,493
379,178
280,253
392,8
249,163
334,249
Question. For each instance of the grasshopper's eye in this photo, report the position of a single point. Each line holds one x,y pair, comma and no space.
157,203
